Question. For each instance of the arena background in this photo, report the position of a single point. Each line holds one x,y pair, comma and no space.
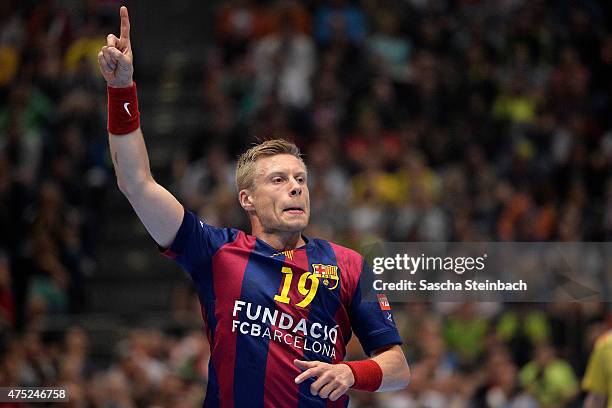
420,121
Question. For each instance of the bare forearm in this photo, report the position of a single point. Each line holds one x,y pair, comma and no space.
158,210
396,374
131,161
334,380
156,207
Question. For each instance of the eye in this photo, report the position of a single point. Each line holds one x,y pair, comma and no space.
277,180
301,180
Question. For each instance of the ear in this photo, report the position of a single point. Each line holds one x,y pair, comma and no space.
244,197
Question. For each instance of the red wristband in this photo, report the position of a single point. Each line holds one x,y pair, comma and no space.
123,114
368,374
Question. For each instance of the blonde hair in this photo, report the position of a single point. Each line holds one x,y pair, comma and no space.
245,169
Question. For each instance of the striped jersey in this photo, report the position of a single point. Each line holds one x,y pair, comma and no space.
264,308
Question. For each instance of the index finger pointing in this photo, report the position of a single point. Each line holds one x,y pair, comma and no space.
125,23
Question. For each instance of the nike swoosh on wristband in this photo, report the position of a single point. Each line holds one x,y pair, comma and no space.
125,105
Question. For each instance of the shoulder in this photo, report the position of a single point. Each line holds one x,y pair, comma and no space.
218,236
349,261
341,253
238,236
350,266
604,341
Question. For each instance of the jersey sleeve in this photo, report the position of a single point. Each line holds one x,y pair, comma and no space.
595,377
371,320
195,244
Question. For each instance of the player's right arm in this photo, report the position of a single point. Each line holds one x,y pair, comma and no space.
159,211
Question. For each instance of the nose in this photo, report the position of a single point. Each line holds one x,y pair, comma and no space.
296,188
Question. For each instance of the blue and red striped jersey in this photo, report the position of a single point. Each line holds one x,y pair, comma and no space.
265,308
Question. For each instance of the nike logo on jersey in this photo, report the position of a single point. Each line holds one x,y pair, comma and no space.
125,106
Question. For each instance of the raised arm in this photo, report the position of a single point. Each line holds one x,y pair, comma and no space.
159,211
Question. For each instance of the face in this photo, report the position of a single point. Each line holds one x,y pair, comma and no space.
279,197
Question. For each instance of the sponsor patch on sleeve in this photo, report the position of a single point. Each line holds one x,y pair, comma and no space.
383,302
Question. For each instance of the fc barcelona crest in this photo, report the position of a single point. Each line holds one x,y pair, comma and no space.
327,274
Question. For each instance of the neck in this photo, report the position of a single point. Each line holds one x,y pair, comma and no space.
280,241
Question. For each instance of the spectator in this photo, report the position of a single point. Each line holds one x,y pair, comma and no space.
549,379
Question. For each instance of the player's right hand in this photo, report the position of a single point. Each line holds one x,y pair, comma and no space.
333,380
115,59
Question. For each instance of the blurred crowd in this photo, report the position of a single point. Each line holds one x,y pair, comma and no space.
149,369
420,120
53,155
471,355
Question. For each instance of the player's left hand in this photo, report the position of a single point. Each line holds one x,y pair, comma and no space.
333,380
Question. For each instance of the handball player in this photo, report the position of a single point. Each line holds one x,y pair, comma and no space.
279,307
